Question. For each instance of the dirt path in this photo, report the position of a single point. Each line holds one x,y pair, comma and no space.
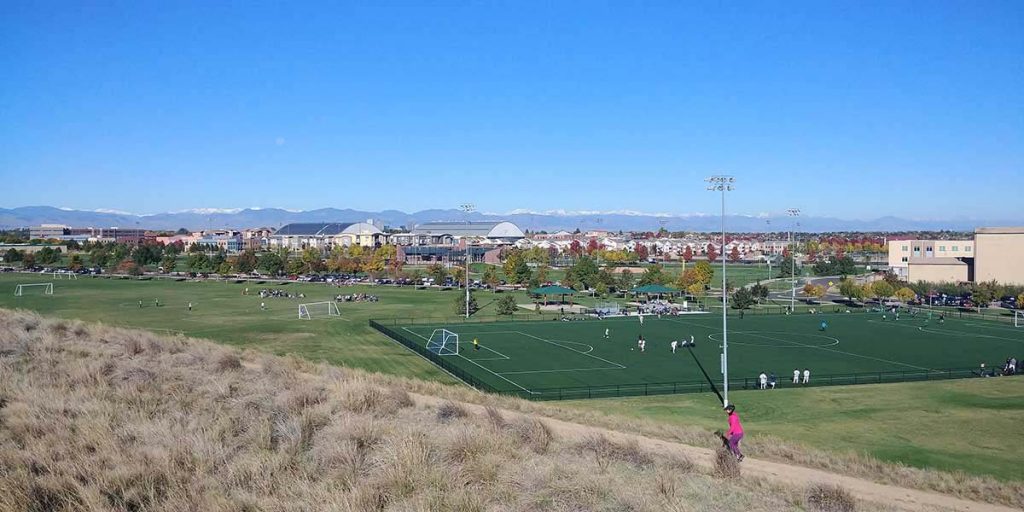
797,476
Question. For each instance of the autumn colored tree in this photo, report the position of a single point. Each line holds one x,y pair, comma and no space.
712,254
687,254
734,255
592,246
576,248
642,252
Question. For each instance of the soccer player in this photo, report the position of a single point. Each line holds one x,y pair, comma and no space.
796,376
824,326
674,345
735,432
643,344
476,344
942,318
807,376
140,304
263,306
156,302
607,333
762,380
772,380
190,306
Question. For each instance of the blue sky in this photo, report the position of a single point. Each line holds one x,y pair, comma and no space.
849,109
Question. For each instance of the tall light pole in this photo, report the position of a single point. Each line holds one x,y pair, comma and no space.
723,184
792,212
467,208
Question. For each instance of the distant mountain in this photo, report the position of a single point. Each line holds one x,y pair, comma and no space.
214,218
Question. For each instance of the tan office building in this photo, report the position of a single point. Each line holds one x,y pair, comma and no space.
937,270
999,255
901,252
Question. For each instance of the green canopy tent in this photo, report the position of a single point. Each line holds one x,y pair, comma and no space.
655,289
548,291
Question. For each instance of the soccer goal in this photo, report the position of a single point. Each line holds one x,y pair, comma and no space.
63,275
318,309
443,342
607,308
20,289
1018,318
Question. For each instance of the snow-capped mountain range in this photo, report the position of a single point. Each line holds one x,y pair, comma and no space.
550,220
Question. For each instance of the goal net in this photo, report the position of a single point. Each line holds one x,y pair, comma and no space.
1018,318
46,287
607,308
65,275
318,309
443,342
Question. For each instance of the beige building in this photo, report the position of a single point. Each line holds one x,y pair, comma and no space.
937,270
901,252
999,255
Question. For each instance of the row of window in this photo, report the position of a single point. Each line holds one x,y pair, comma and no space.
942,248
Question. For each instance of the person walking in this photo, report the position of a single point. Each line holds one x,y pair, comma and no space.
735,434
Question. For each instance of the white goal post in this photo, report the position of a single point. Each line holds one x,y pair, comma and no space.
1018,318
20,289
443,342
61,275
327,308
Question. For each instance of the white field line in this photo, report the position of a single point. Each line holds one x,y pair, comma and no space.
478,364
603,368
953,331
572,349
841,352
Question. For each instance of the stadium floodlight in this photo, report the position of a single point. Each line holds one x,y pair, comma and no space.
468,208
723,184
792,212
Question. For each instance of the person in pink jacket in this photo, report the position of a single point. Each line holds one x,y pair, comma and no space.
735,432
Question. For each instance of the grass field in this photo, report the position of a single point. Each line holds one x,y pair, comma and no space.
535,358
965,425
221,313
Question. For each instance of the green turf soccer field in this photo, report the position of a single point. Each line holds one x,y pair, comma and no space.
554,359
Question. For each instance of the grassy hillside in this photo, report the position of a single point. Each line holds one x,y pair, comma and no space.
962,425
99,418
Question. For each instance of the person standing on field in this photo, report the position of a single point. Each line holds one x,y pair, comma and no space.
807,376
796,376
735,434
674,345
607,332
190,306
762,381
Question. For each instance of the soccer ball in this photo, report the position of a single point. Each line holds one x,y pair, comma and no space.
631,348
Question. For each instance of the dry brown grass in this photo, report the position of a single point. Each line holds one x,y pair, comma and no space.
726,465
98,418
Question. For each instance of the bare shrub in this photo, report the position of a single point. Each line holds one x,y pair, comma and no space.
830,498
533,433
606,451
449,410
400,397
495,418
726,465
132,346
228,362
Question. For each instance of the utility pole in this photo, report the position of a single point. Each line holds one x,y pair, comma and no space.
723,184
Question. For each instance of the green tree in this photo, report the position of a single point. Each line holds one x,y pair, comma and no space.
246,262
759,291
270,263
653,274
626,281
848,287
696,290
882,289
437,272
742,299
13,255
460,303
224,269
601,289
76,262
984,293
786,266
168,264
513,258
507,305
584,271
197,262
